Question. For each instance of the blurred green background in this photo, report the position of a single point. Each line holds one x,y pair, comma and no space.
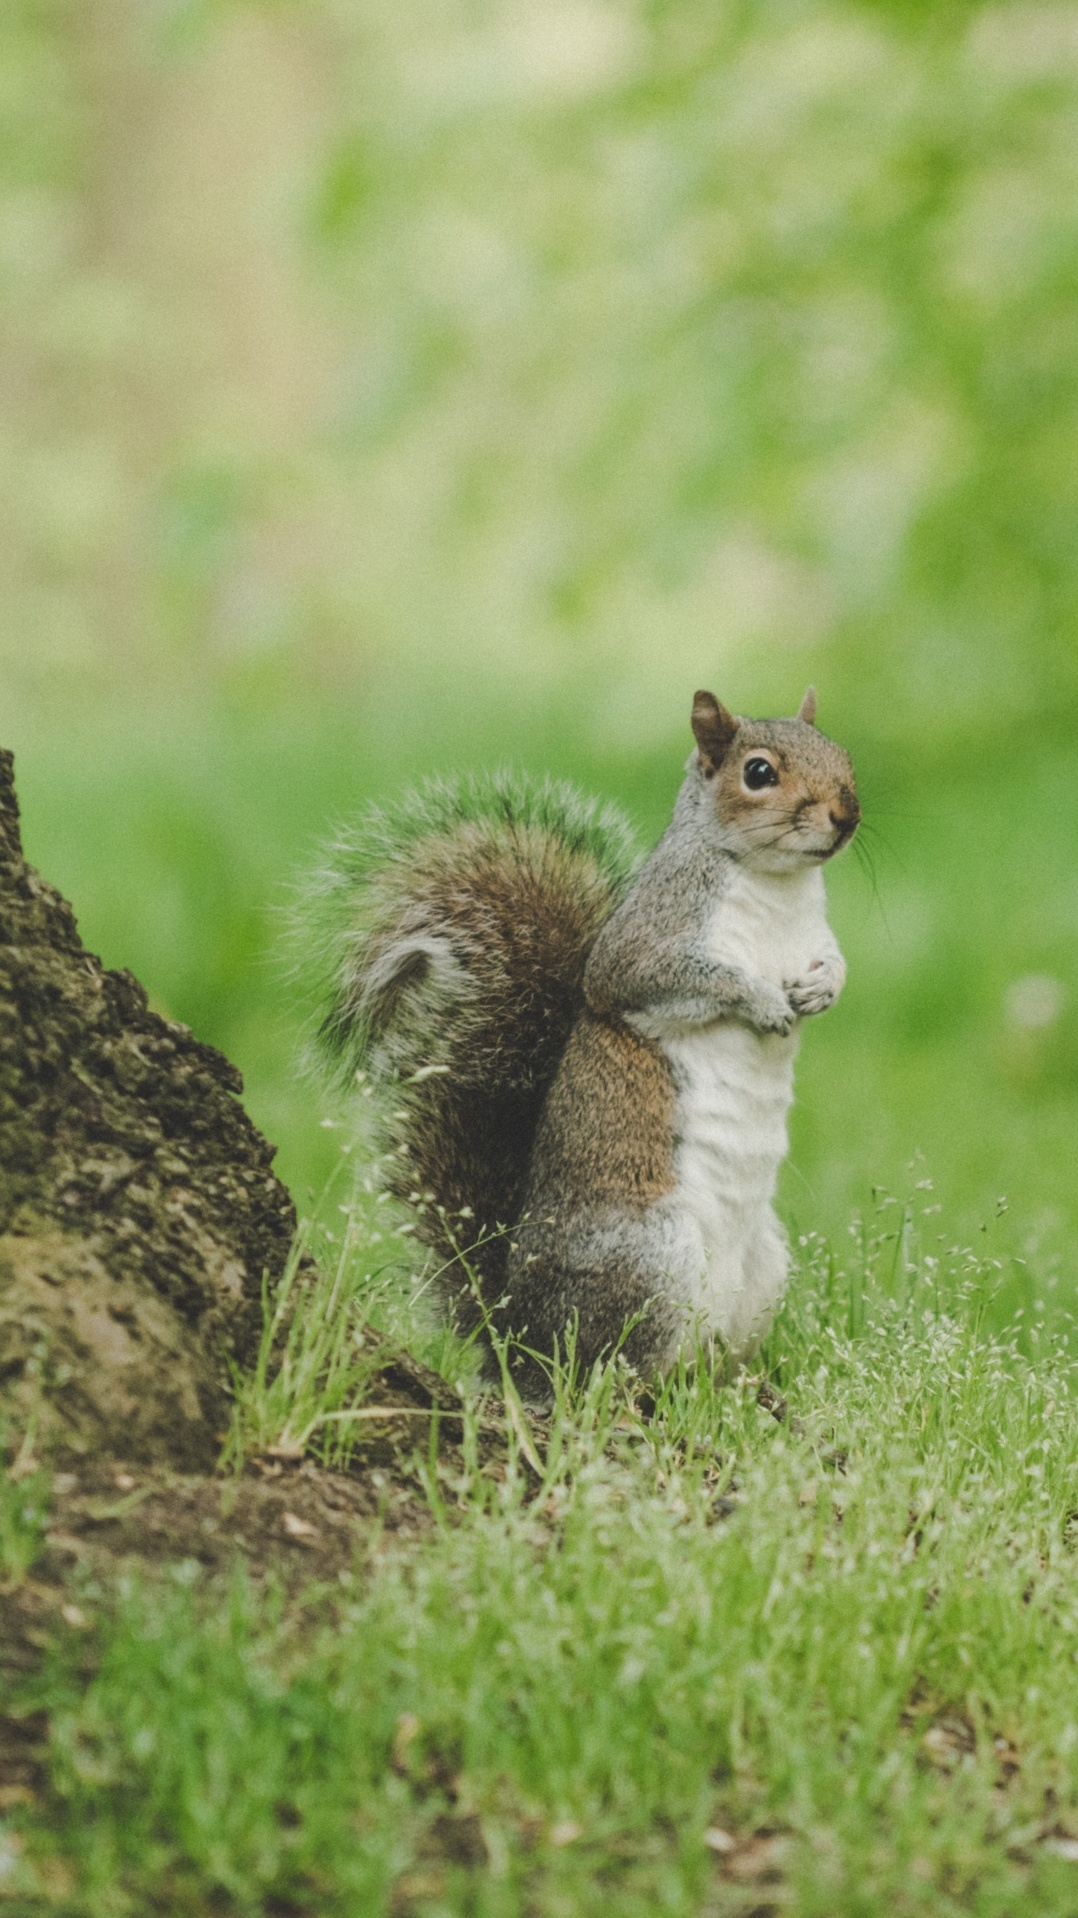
396,387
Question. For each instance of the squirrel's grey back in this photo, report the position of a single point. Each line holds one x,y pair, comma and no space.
445,939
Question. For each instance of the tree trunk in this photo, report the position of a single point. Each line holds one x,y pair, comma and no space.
138,1208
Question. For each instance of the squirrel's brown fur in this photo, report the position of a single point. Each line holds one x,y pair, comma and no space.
519,916
455,930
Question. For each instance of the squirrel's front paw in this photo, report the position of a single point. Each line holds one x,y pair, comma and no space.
771,1010
818,989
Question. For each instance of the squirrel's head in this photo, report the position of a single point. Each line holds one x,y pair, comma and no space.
781,792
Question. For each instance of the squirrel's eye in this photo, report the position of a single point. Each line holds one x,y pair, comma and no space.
758,773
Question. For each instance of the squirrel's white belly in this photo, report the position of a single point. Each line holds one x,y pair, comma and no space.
734,1088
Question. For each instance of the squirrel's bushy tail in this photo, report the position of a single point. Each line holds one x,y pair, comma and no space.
445,938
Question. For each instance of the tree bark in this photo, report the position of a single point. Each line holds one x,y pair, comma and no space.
139,1212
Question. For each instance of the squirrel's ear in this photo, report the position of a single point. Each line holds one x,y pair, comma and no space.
807,708
713,728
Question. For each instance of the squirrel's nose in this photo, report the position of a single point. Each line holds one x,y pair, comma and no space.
847,821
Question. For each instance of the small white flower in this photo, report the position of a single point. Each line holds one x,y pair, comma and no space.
1035,1000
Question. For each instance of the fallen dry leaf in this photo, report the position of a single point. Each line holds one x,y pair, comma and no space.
24,1466
565,1832
947,1742
759,1860
418,1884
718,1840
1062,1848
298,1527
57,1879
407,1731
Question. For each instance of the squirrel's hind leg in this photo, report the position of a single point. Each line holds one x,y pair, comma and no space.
615,1284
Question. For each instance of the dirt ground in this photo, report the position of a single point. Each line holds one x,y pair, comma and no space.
283,1515
291,1520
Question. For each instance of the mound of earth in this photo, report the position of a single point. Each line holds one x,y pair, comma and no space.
139,1210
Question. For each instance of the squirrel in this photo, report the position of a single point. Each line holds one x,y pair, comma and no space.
589,1060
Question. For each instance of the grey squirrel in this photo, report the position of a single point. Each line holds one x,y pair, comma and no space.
588,1063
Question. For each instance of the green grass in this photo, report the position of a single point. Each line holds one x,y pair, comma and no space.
326,1331
857,1633
24,1510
